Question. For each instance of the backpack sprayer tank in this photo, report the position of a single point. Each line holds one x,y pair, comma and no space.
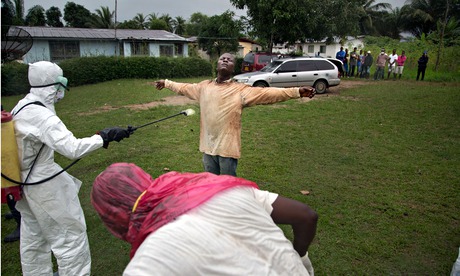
10,159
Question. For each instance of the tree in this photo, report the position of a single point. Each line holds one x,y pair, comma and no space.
219,34
53,17
103,19
370,13
421,16
128,24
76,16
7,17
36,16
278,21
171,22
391,24
156,23
18,19
141,21
195,25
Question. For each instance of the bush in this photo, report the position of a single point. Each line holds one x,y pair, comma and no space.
87,70
14,79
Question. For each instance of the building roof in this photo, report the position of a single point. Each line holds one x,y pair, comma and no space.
83,33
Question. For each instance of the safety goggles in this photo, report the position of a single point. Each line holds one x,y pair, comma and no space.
60,84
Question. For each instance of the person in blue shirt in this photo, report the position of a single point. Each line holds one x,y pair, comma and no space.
340,55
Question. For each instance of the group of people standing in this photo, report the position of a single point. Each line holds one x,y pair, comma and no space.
356,64
363,62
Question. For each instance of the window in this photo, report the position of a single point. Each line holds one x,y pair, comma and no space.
166,51
265,59
311,48
322,49
306,65
139,48
324,65
249,58
288,67
61,50
179,49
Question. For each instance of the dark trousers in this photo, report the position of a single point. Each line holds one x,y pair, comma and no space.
421,71
220,165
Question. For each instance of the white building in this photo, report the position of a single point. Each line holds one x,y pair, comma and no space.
56,44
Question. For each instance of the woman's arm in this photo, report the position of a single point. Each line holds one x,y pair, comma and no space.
300,216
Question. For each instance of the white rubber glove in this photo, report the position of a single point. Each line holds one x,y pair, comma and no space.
307,263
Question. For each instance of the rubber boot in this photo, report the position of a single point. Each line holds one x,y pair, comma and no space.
9,216
15,235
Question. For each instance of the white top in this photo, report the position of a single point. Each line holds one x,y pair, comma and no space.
392,59
231,234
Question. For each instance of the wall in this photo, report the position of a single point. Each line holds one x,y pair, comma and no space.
97,48
40,51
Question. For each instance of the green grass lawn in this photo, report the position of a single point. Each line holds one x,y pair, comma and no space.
381,162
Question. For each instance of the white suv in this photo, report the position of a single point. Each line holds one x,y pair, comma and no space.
292,72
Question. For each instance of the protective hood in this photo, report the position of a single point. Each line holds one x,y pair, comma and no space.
44,73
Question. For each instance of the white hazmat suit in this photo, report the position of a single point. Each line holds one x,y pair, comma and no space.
52,217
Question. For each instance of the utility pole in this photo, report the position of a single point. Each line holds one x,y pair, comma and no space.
115,27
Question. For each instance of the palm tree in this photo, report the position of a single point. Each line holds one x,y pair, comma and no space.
103,19
391,24
169,21
180,25
141,20
156,23
423,15
369,14
19,8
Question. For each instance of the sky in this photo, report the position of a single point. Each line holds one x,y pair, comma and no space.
127,9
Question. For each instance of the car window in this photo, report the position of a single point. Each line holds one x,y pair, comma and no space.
288,66
323,65
271,66
249,58
306,65
265,59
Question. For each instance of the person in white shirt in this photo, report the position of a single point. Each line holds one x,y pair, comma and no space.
202,224
392,64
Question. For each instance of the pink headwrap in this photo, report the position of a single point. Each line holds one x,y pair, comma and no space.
116,190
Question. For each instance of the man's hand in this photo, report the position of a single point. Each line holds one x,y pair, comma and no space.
306,91
160,84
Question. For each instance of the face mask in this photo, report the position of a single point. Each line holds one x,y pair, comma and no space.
61,86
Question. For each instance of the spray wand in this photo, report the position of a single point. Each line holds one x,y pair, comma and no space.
187,112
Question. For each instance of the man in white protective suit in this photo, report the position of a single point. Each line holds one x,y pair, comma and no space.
52,218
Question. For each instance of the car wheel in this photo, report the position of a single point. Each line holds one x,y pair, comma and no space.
320,86
260,84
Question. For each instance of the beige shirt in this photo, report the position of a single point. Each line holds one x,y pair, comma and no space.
221,106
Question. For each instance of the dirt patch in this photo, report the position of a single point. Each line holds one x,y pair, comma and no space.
347,84
181,100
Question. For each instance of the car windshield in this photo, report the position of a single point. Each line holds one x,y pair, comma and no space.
271,66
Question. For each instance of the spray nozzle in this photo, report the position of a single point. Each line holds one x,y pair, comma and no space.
188,112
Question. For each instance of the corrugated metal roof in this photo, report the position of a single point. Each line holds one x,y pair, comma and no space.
82,33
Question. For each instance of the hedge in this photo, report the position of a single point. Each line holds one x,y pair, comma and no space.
89,70
14,79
